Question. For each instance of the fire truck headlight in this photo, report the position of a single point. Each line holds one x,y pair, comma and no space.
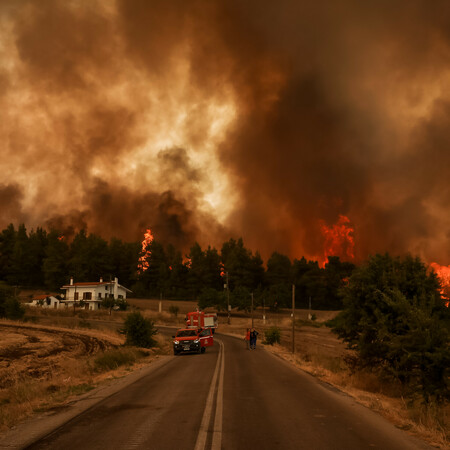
176,342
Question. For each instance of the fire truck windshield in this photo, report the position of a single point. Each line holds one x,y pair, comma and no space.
186,333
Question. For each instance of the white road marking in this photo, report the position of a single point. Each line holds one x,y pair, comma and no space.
217,433
203,432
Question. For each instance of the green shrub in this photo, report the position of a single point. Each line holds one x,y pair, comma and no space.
122,304
273,335
13,309
10,307
139,330
113,359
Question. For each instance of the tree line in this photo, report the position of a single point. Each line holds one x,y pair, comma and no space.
46,259
393,312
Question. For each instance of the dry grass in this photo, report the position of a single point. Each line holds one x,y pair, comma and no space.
34,379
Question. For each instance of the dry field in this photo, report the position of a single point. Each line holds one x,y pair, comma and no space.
42,368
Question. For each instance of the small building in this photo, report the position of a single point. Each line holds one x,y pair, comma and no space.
45,301
92,293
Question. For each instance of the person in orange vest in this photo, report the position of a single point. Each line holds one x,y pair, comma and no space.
247,338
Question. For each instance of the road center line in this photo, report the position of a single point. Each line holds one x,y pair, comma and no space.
217,433
203,432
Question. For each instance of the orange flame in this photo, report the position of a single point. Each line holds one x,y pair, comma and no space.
60,238
339,239
188,262
443,273
146,253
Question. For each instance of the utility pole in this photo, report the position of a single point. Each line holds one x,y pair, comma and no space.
293,318
228,300
252,308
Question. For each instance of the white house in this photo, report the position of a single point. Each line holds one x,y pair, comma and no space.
92,293
46,301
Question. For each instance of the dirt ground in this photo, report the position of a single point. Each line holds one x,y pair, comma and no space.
38,351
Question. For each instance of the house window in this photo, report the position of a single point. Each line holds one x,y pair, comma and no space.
87,295
120,296
75,296
99,295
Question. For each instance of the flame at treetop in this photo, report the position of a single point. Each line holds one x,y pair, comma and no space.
339,239
443,273
146,253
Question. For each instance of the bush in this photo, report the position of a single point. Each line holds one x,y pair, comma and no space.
396,320
10,307
139,330
115,358
122,304
174,310
273,335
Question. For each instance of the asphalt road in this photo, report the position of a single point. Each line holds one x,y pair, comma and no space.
228,398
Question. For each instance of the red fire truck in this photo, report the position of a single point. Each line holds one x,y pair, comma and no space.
200,319
192,340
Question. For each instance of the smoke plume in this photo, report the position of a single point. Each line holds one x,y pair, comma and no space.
208,120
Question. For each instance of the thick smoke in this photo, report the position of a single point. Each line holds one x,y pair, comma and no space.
208,120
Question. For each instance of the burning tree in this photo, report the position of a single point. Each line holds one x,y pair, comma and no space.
443,274
145,252
339,239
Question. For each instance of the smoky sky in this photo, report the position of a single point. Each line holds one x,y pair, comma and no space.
208,120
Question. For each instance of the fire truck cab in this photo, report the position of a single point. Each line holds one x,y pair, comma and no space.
202,320
192,340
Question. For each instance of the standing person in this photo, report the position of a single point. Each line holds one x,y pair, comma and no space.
247,338
253,338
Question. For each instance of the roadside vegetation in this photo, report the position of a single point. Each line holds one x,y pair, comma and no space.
139,331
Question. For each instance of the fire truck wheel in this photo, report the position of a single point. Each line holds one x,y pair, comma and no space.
203,349
175,352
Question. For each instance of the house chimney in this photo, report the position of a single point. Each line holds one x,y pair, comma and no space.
101,279
71,281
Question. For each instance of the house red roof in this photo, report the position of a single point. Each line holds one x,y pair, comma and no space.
41,297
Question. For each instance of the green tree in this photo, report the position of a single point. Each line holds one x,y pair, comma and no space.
155,279
123,257
7,241
20,267
243,268
241,299
211,298
395,319
10,307
278,269
55,261
37,243
335,274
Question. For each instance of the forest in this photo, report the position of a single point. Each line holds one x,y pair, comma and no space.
46,260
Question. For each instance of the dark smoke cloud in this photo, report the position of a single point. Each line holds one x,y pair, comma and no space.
337,108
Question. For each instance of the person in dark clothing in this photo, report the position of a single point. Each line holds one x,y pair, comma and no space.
253,338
